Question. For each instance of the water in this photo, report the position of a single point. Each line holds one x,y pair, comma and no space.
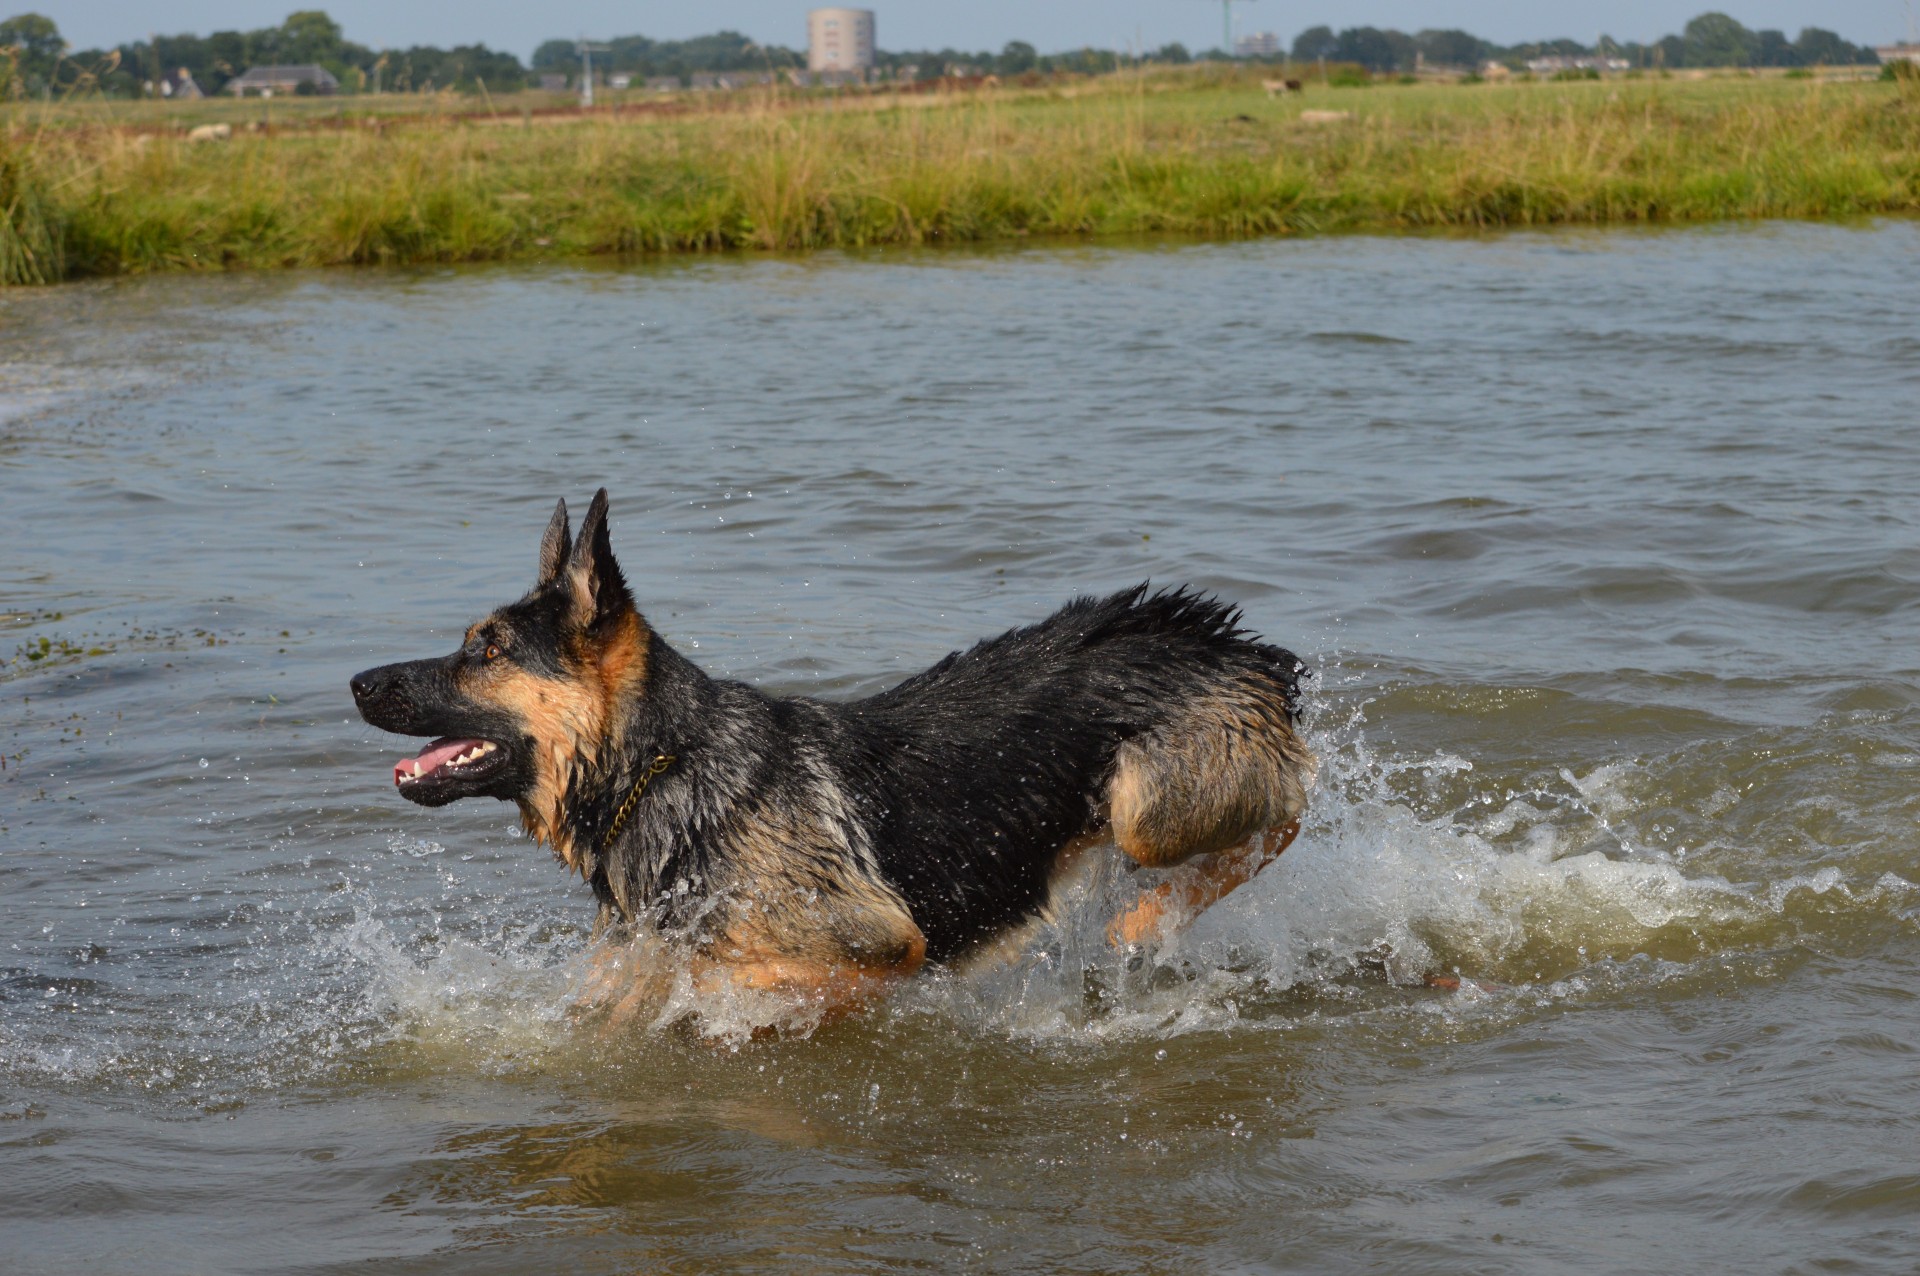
1605,547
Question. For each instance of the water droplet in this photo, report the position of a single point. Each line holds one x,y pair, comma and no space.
203,764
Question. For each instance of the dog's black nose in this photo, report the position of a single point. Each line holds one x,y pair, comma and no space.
365,685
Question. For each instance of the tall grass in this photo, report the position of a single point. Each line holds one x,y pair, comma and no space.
1113,157
32,241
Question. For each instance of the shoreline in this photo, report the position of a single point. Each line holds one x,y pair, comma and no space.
1104,159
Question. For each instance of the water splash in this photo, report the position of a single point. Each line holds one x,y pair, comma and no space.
1541,892
1546,892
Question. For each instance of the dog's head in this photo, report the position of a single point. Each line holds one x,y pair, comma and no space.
534,691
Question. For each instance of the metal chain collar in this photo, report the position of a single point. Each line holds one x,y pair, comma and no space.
661,762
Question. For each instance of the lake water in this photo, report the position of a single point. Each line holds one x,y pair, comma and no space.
1606,548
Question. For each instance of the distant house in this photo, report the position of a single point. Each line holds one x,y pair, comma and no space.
662,83
1891,53
180,85
620,80
1263,44
551,82
721,81
283,79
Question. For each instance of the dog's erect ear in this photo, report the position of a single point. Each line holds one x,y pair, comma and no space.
599,590
556,545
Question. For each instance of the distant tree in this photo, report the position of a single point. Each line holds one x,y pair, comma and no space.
1819,47
721,51
34,34
558,55
1017,58
639,55
1176,54
38,46
226,57
310,36
1374,49
1772,48
463,67
1714,39
1548,49
1451,48
1313,44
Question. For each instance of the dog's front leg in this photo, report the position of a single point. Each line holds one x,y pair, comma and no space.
1197,886
831,990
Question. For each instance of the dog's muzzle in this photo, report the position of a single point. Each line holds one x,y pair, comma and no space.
475,755
390,696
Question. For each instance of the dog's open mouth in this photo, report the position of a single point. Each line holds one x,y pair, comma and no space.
446,763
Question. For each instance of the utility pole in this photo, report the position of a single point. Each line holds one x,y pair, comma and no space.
587,49
1226,27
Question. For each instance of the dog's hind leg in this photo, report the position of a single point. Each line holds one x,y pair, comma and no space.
1226,779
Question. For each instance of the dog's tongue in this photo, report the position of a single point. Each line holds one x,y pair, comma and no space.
437,755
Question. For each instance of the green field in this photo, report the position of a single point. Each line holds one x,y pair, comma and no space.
91,189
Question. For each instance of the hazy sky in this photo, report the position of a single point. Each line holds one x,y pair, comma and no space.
517,25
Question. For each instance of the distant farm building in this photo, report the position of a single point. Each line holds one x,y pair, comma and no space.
284,79
180,85
1558,65
1891,53
552,82
1261,44
840,40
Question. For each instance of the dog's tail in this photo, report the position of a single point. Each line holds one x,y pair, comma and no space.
1183,625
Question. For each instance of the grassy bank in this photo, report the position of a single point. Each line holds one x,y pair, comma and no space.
1115,156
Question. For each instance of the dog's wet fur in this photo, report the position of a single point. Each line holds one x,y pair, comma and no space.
793,841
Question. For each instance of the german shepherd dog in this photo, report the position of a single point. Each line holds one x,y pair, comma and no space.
826,849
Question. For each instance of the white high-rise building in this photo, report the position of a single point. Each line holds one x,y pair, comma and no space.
840,40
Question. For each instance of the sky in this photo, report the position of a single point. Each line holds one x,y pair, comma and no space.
1051,25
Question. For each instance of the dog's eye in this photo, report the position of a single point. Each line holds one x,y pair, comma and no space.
493,651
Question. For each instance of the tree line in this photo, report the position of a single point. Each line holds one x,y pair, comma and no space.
42,63
731,51
1710,40
34,60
